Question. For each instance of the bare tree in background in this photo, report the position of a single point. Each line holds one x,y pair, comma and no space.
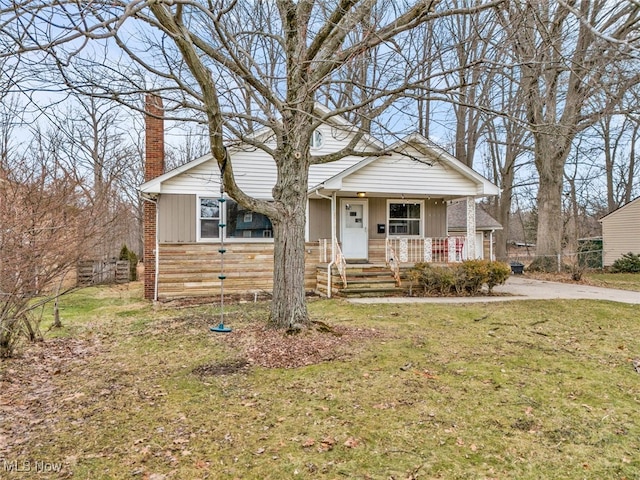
45,228
244,65
88,141
620,143
507,148
576,63
473,66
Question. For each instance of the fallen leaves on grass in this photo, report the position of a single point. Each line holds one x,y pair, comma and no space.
29,394
266,347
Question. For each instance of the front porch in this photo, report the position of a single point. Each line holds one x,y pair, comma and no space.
385,271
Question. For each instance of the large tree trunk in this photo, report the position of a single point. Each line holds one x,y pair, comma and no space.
552,150
503,209
288,308
550,225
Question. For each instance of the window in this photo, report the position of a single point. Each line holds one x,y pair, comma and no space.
242,223
316,139
209,218
405,217
239,222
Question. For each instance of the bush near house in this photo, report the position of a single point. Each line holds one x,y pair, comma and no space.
628,263
130,255
466,278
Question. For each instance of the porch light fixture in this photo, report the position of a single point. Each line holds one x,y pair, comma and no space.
361,194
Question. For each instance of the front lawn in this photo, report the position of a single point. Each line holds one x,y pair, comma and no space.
514,390
624,281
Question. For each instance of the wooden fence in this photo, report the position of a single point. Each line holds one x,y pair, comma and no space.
96,272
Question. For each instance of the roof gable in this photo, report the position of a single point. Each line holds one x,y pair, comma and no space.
627,206
413,165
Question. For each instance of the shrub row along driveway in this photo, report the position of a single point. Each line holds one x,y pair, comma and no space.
523,288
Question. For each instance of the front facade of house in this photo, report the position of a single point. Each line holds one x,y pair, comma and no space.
388,209
621,232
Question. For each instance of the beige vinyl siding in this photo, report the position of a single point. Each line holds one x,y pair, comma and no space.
319,219
416,178
177,218
621,232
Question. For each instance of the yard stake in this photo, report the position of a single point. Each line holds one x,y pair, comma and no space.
220,328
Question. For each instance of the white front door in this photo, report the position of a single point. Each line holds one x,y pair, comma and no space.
354,232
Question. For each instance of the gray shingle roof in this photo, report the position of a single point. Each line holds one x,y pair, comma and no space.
457,218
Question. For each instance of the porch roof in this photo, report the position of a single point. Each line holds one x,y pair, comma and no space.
412,166
457,218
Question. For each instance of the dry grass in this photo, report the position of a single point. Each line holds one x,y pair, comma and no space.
517,390
624,281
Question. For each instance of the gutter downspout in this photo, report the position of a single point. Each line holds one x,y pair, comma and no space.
332,199
156,248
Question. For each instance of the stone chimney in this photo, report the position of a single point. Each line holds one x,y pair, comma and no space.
153,167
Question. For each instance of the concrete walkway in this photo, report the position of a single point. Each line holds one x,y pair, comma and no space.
522,288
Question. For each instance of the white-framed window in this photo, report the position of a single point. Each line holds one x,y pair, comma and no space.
209,218
317,140
405,217
239,223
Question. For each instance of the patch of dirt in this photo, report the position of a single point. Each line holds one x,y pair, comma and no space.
222,368
266,347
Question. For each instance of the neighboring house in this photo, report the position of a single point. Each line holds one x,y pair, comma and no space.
621,232
376,210
486,225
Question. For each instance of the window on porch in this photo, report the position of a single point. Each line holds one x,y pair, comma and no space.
405,217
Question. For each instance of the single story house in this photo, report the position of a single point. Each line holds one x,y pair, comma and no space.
373,211
621,232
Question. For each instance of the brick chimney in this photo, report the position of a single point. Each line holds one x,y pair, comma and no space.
153,167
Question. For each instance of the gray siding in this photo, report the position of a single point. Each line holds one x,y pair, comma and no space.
377,216
435,220
177,218
319,219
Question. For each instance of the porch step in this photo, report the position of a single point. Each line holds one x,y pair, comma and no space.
363,280
371,292
369,280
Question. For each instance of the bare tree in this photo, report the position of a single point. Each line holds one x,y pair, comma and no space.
87,141
620,137
507,145
576,62
474,40
45,228
243,65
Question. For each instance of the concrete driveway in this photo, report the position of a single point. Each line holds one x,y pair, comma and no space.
522,288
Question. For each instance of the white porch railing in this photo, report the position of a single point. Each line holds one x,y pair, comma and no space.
393,264
339,261
425,249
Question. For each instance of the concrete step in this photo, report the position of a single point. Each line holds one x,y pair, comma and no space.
370,292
